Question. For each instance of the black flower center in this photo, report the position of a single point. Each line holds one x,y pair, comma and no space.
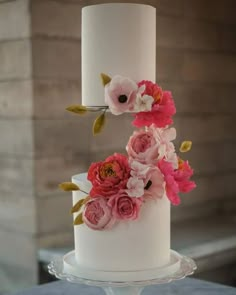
148,185
122,98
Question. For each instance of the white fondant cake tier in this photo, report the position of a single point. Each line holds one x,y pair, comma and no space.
70,266
117,39
130,245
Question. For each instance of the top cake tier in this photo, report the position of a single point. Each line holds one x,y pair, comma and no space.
117,39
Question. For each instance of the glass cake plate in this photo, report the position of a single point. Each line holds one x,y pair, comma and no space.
131,283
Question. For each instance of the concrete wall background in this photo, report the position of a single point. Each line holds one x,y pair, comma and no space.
43,145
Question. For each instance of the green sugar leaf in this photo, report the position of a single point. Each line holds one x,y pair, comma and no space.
105,79
77,206
77,109
86,200
99,124
68,186
185,146
78,220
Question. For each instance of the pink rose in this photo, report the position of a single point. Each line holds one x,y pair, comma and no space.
110,176
125,207
97,214
120,95
142,147
163,107
151,145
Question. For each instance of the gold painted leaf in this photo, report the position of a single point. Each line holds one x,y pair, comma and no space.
105,79
68,186
77,206
185,146
99,124
78,220
77,109
86,200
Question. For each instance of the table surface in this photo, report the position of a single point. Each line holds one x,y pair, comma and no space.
186,286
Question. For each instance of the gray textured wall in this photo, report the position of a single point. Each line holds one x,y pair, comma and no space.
42,144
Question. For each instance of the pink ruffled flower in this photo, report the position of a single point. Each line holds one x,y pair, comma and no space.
166,148
125,207
163,107
97,214
151,89
120,94
182,175
176,180
109,176
135,187
146,181
154,184
138,169
149,146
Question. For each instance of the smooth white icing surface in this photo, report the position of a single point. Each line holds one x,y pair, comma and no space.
129,245
70,266
117,39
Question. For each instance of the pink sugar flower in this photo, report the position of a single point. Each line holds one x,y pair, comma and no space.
135,187
146,181
182,175
176,180
166,148
142,147
125,207
163,107
148,146
109,176
120,94
154,184
151,89
97,214
171,186
143,103
138,169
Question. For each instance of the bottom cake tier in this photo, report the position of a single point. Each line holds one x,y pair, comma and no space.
133,245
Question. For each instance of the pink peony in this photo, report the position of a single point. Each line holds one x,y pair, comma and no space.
163,107
110,176
120,94
125,207
171,186
97,214
151,89
176,180
142,147
182,175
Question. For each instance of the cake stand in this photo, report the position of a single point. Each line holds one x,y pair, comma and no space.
179,267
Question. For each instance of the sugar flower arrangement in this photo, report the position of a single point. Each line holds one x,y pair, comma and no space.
151,170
